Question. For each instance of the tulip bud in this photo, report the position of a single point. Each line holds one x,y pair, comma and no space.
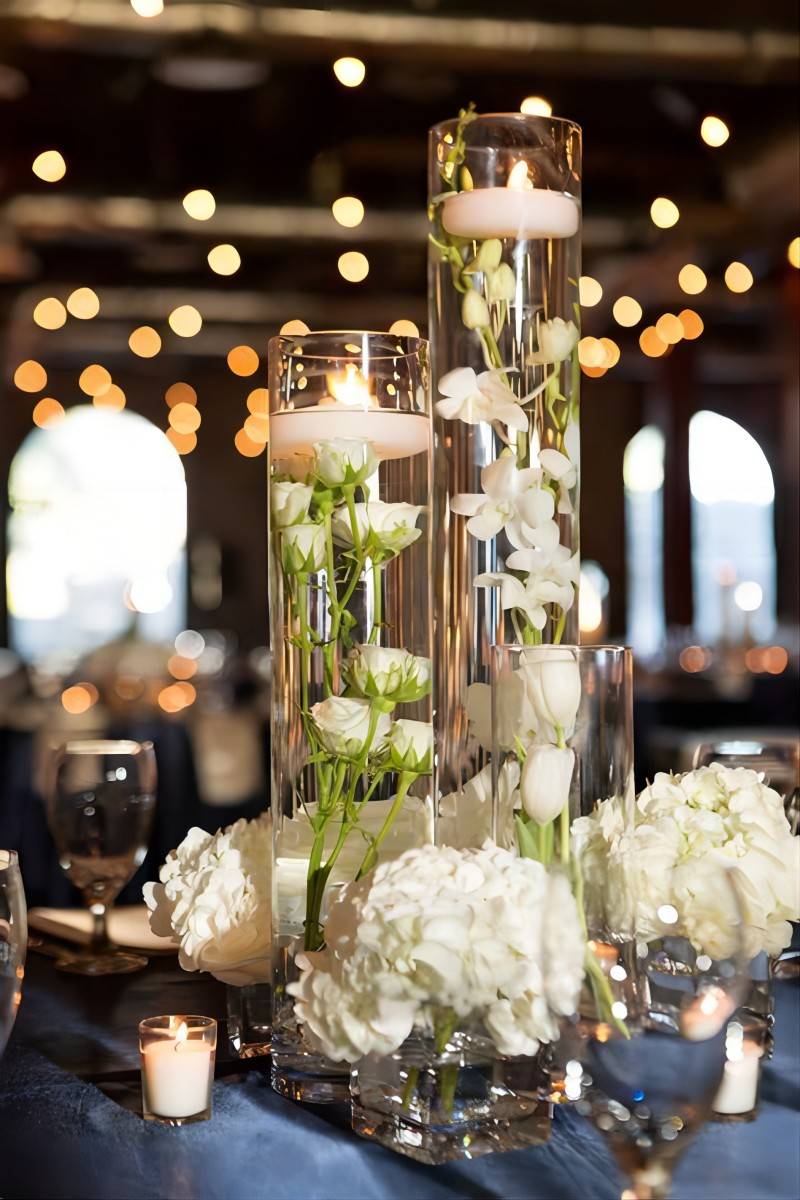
545,782
474,310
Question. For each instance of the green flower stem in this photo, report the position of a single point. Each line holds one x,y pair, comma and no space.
412,1079
601,988
305,639
329,650
349,495
559,630
444,1027
404,783
377,607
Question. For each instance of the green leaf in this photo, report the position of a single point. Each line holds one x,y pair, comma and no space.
526,839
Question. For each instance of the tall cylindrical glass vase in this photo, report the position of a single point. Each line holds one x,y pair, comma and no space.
351,620
505,221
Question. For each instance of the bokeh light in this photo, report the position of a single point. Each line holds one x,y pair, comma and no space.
256,427
664,212
738,277
692,280
714,131
185,320
189,643
176,696
651,344
627,311
593,372
404,328
246,446
83,303
224,259
79,698
94,380
243,360
348,211
199,204
113,399
145,341
669,329
294,328
591,352
149,593
590,291
148,8
748,595
793,252
180,393
50,313
353,266
258,401
30,376
48,412
184,443
185,418
611,350
536,106
694,659
692,323
349,71
180,667
49,166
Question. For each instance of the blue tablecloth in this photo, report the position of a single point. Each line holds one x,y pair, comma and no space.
62,1136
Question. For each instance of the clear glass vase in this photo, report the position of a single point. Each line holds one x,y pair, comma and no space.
436,1104
351,625
249,1019
505,237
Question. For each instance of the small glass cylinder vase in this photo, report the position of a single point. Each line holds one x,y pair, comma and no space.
249,1019
351,623
563,791
437,1103
505,222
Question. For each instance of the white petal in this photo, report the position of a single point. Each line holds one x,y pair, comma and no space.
486,524
498,480
555,463
466,504
545,536
462,381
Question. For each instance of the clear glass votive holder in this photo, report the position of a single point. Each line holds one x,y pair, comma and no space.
746,1041
177,1055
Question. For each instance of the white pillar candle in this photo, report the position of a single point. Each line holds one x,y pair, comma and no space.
501,212
738,1091
392,434
177,1076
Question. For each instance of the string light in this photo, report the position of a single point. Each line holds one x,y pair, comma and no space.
94,380
294,328
113,399
692,323
353,266
738,277
243,360
246,446
176,696
180,393
664,212
184,443
83,303
669,329
692,280
651,344
50,313
256,427
145,341
258,401
48,412
348,211
148,8
536,106
49,166
224,259
627,311
714,131
403,328
349,71
589,291
199,204
185,320
793,252
30,376
185,418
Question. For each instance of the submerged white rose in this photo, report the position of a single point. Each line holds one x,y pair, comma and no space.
303,548
392,673
343,725
411,745
545,783
289,502
213,899
557,339
386,529
344,461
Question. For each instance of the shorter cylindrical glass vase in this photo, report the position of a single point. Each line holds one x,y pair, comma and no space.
177,1054
435,1105
249,1019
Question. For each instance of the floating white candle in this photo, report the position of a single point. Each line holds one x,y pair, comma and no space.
517,210
177,1073
392,434
738,1091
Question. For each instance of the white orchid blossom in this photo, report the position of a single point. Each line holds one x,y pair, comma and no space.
529,597
472,398
557,339
510,499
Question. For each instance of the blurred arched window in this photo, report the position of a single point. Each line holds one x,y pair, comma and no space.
643,474
96,535
733,539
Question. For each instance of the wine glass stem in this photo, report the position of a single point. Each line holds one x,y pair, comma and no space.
100,940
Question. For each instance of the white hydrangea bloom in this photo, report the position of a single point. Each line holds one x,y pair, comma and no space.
213,900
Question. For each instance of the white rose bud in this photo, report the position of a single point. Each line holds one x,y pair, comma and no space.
411,746
393,674
502,283
345,461
545,782
303,549
389,527
343,726
290,503
557,339
474,310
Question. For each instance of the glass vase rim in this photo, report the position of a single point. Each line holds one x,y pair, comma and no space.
103,746
529,119
9,860
615,647
283,343
191,1020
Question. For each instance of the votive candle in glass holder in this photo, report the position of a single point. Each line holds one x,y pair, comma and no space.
737,1098
177,1068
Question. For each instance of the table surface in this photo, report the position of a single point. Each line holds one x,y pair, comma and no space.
69,1079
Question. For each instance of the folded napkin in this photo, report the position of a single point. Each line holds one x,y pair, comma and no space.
128,927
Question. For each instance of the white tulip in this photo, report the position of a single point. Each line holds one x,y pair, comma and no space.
344,461
475,310
290,503
303,548
557,339
411,745
394,674
552,681
343,725
545,783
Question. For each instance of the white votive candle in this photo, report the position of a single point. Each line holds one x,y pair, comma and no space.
177,1068
501,212
392,434
738,1091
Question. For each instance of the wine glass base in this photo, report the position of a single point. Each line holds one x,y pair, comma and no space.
111,962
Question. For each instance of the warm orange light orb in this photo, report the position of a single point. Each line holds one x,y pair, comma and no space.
50,313
145,341
243,360
30,376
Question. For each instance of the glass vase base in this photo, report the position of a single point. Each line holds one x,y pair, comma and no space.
435,1144
292,1077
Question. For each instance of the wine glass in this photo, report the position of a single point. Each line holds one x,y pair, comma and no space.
100,807
647,1078
13,942
777,756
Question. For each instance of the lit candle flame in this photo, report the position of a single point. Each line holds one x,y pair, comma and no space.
351,389
518,177
181,1035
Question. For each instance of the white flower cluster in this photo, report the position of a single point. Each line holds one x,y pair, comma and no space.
483,933
213,900
685,826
